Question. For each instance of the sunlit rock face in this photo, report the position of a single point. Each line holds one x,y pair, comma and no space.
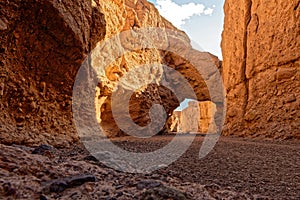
198,117
40,58
261,68
125,16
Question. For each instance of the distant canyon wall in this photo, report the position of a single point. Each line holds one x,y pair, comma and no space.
261,68
198,117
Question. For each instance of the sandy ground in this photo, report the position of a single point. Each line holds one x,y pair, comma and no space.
235,169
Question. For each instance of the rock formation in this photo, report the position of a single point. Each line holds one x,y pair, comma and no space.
261,68
198,117
43,44
141,14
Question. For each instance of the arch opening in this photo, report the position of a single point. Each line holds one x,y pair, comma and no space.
192,116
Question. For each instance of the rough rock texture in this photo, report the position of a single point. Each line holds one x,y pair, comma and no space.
131,15
261,68
43,44
185,121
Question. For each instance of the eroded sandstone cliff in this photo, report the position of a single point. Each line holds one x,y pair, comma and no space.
261,68
44,43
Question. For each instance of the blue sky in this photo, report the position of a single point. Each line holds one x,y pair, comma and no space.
202,20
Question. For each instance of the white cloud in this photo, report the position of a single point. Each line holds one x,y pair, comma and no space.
208,11
178,14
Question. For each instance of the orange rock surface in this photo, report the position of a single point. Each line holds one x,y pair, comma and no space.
43,44
261,68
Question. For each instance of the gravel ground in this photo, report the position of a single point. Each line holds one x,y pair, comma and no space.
235,169
264,167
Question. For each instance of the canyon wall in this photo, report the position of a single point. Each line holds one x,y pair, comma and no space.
261,68
44,43
198,117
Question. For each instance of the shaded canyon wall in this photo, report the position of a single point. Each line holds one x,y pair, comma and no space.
42,45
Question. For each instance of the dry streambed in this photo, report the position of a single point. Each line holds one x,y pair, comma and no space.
235,169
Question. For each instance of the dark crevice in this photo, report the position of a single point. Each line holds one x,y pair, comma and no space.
297,6
244,64
257,23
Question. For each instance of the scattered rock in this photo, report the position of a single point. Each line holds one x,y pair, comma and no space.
90,158
119,187
212,188
43,197
25,176
42,149
162,193
25,148
147,184
1,89
8,189
60,185
3,25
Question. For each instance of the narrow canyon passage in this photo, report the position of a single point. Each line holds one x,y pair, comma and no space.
77,72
